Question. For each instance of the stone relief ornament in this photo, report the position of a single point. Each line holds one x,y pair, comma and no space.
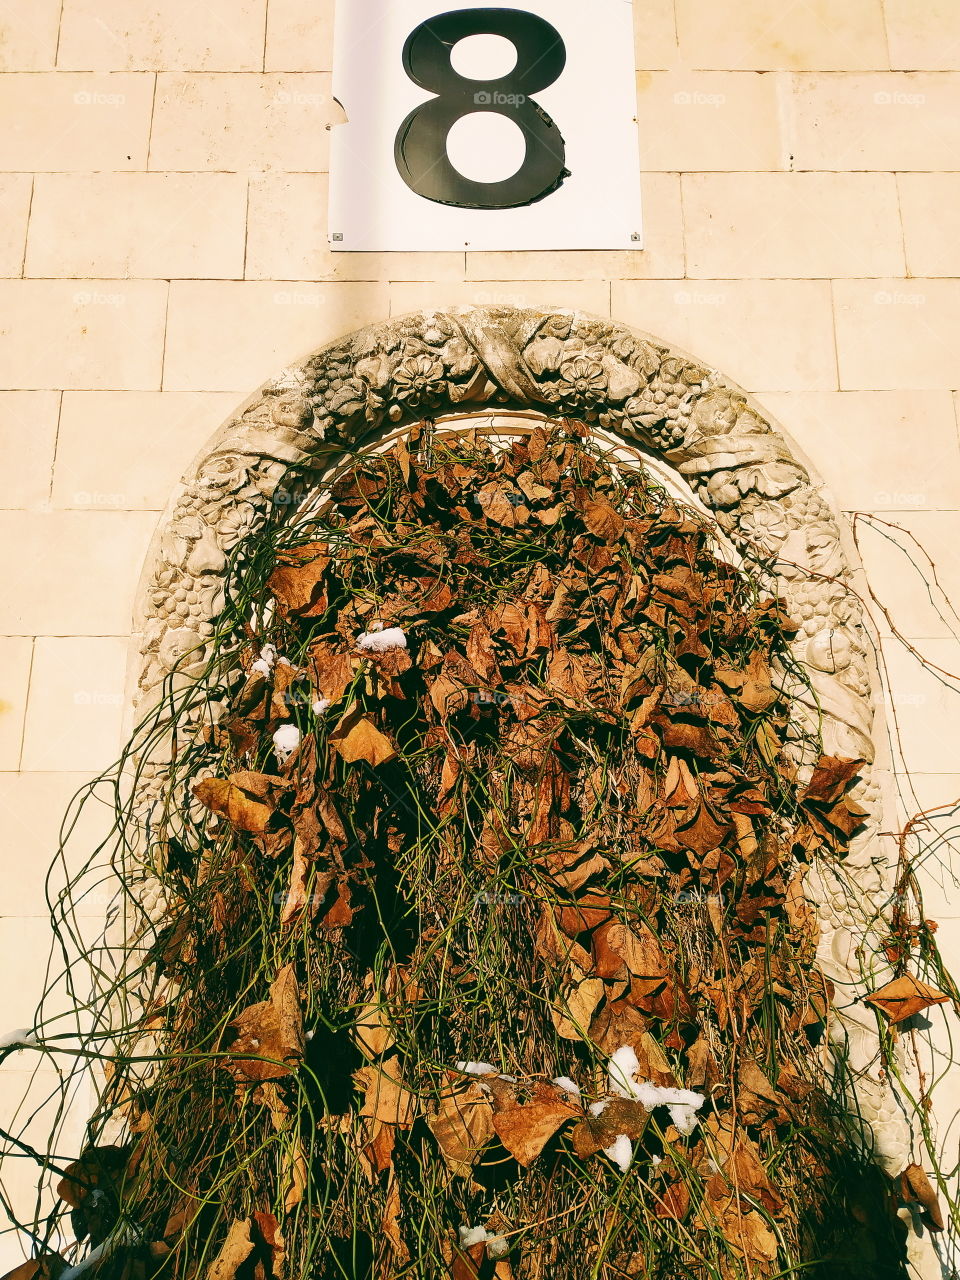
478,360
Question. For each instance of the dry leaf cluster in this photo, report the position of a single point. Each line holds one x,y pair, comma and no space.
559,822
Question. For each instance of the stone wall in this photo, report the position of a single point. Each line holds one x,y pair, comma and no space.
163,251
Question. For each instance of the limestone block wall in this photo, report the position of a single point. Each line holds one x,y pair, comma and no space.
163,173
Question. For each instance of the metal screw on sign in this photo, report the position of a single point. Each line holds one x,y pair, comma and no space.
337,235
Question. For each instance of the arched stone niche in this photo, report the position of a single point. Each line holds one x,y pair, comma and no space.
681,415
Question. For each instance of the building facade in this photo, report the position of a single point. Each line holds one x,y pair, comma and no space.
164,251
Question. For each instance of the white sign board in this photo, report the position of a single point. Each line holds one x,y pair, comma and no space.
472,127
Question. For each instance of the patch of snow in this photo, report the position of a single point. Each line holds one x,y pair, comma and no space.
267,661
497,1246
22,1038
685,1119
567,1085
623,1067
286,741
683,1104
382,641
621,1153
472,1235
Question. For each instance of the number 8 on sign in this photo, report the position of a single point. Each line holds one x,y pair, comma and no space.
421,144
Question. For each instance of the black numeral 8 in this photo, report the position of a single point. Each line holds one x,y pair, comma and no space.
421,145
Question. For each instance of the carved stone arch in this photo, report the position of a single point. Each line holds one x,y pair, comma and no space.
754,481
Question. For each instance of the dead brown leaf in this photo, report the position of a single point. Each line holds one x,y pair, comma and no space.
566,675
390,1222
271,1030
387,1106
372,1029
680,787
525,1128
97,1167
356,738
905,996
603,520
697,739
247,800
572,866
294,1174
585,914
832,776
480,653
297,582
467,1262
448,695
752,687
341,911
576,1006
674,1200
757,1098
532,490
523,625
234,1251
461,1121
503,504
702,833
270,1234
386,1100
47,1267
798,910
332,670
916,1186
619,1116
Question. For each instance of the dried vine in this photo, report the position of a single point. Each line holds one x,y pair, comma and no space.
481,946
